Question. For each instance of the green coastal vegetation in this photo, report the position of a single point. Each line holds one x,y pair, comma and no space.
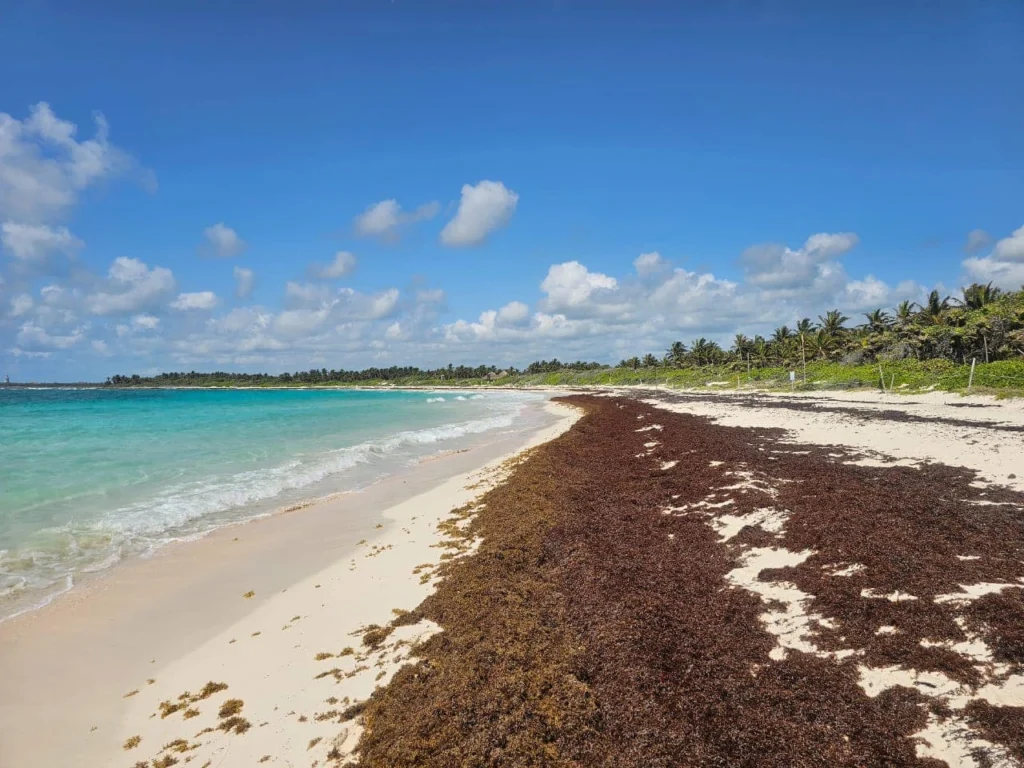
929,345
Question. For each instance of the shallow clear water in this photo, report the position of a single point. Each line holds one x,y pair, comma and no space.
88,477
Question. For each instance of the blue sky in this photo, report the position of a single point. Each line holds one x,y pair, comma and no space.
770,160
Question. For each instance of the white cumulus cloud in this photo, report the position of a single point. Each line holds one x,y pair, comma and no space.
385,218
772,265
245,281
201,300
1004,274
222,240
35,243
294,323
306,295
342,264
576,312
32,335
138,324
1010,248
1003,267
650,264
977,240
483,208
44,167
131,286
692,293
146,322
20,305
571,285
383,304
513,313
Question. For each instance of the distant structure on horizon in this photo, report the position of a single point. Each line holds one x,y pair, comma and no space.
7,380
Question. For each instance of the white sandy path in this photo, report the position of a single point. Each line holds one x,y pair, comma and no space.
274,672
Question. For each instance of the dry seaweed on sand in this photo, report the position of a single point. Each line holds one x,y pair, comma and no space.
1002,725
230,707
178,745
238,725
374,636
593,626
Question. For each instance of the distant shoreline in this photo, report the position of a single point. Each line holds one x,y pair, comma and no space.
1002,377
321,387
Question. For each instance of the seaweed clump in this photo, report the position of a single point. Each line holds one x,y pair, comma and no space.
595,624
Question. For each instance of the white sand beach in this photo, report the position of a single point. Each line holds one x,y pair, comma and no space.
265,621
249,606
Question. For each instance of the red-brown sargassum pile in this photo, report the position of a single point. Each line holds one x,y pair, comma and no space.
600,621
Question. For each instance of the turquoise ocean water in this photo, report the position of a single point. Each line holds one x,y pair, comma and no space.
91,476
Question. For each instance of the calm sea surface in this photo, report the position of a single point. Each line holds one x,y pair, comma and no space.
88,477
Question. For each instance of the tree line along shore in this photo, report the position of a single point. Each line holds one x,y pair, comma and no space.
934,344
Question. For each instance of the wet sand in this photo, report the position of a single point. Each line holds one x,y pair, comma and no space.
65,669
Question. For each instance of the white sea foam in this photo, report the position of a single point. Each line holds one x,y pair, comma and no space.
32,575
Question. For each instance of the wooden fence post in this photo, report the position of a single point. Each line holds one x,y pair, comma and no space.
970,381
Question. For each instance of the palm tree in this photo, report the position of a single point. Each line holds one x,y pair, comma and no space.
676,354
820,344
878,320
705,352
977,295
650,361
698,350
832,322
933,311
715,352
904,314
781,334
781,343
804,326
741,345
760,350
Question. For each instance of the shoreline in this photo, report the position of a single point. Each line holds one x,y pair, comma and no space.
723,387
668,562
65,668
367,469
